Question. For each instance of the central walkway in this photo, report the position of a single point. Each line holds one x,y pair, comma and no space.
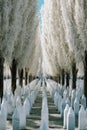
34,120
55,120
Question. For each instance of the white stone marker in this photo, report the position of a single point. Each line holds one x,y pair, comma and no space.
16,120
2,120
82,119
84,101
71,119
22,118
76,106
26,107
65,116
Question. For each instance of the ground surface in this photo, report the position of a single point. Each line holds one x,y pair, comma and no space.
34,120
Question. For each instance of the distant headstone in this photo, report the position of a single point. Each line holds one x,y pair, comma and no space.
68,101
76,106
73,98
65,116
71,119
18,101
65,94
9,106
44,126
82,119
84,101
59,103
22,118
2,120
16,120
63,104
4,107
26,107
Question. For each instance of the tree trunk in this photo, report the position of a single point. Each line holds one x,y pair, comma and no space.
1,76
21,77
74,75
85,75
33,77
67,79
63,77
56,78
59,79
26,76
30,78
13,75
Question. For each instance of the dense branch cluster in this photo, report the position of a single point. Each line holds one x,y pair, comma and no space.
19,33
64,25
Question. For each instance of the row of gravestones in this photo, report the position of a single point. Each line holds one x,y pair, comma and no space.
44,112
76,108
19,106
69,118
